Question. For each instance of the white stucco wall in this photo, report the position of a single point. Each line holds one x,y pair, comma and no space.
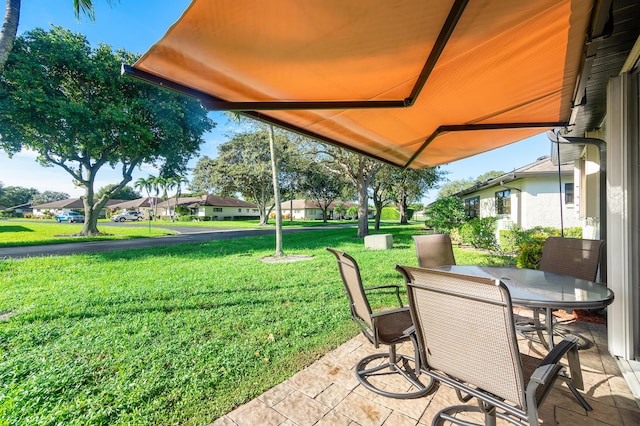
541,204
537,204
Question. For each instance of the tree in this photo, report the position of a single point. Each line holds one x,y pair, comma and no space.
147,185
175,182
243,166
339,210
445,213
358,169
381,192
12,17
458,185
402,187
124,193
80,115
322,186
48,197
410,185
12,196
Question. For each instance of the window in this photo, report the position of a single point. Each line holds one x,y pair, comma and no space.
503,202
568,193
239,210
472,207
217,209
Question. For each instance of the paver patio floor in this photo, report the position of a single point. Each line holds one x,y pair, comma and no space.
328,393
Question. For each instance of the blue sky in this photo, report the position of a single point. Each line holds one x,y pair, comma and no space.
135,25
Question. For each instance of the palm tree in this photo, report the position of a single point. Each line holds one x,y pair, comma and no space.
160,186
147,185
12,17
176,182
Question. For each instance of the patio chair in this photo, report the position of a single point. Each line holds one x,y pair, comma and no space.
566,256
466,337
383,328
434,250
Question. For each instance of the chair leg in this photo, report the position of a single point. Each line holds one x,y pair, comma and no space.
394,364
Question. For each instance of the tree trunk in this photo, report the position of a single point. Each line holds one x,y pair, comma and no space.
363,209
402,208
91,213
9,30
378,214
276,194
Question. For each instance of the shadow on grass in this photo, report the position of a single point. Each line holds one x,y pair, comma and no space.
15,228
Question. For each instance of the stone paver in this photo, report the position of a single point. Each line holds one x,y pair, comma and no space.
327,393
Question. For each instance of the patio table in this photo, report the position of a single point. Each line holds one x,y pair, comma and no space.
545,290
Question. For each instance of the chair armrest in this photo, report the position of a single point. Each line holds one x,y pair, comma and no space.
395,287
389,312
569,347
376,287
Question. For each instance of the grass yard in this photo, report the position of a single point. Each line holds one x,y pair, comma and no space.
23,233
180,334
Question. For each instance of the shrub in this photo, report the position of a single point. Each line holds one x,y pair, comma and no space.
188,218
479,233
530,253
389,213
183,211
28,216
444,214
352,212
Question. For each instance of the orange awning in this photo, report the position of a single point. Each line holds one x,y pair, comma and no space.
413,82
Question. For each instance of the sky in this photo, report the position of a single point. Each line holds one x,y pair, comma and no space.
135,25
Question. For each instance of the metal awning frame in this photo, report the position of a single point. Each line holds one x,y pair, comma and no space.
252,109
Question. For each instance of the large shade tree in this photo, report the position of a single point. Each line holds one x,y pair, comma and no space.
68,102
12,17
243,166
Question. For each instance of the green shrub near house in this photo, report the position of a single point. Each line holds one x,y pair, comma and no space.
390,214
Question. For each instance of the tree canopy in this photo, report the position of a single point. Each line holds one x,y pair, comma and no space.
243,166
68,102
455,186
48,197
11,196
124,193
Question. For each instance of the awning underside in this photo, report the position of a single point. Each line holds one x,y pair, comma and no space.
442,67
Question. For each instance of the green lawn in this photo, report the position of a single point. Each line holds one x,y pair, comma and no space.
23,233
176,335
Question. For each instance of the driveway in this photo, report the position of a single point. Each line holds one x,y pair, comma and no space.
188,235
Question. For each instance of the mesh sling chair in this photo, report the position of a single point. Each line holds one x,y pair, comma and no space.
466,337
384,328
434,250
566,256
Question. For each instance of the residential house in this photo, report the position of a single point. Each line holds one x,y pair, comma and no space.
311,210
536,194
143,205
74,204
212,206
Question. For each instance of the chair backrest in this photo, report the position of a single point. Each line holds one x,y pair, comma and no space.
350,273
434,250
572,256
465,329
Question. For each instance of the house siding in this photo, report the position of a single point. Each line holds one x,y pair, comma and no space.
536,203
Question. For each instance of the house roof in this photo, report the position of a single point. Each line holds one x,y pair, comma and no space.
208,200
70,203
542,167
310,204
416,83
135,204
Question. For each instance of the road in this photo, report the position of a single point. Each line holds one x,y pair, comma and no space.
187,235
